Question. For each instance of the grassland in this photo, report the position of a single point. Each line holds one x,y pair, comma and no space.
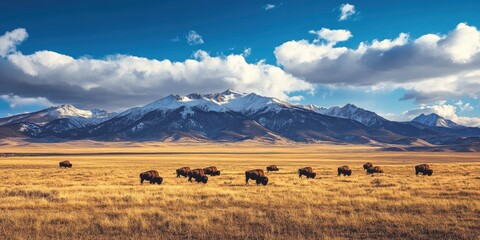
100,197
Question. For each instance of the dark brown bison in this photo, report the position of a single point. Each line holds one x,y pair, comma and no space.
373,170
345,170
212,171
367,165
423,169
151,176
183,172
258,175
65,164
198,175
272,168
307,171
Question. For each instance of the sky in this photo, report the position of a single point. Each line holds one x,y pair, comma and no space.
397,58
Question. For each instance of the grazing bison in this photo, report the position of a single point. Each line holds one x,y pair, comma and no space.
212,171
307,171
258,175
65,164
373,170
151,176
183,172
367,165
198,175
272,168
423,169
345,170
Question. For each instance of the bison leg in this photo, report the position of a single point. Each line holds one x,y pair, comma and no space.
190,179
141,180
246,180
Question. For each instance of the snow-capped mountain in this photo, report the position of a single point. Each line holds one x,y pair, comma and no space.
434,120
230,116
229,100
56,120
79,116
349,111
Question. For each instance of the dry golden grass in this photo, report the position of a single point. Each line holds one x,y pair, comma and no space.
100,197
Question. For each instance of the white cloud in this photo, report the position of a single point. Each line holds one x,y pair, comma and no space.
332,36
10,40
346,11
447,111
464,106
121,81
193,38
247,52
15,101
462,44
431,67
297,98
269,6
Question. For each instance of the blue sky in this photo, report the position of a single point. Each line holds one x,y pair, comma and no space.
99,30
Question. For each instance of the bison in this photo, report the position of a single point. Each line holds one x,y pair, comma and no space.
272,168
367,165
151,176
183,172
373,170
307,171
423,169
258,175
212,171
65,164
198,175
345,170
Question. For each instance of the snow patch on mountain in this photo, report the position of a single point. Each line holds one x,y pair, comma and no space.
349,111
434,120
78,117
229,100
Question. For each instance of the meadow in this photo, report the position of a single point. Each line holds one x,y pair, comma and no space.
101,196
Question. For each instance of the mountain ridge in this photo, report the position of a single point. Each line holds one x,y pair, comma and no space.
230,116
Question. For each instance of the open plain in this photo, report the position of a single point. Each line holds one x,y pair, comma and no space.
101,196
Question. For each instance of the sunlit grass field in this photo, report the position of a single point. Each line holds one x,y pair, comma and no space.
101,196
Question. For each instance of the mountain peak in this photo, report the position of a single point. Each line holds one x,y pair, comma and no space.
435,120
349,105
232,91
349,111
68,110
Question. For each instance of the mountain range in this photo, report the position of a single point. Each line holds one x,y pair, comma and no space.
235,116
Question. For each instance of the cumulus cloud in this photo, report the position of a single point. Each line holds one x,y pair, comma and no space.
269,6
120,81
332,36
447,111
10,40
346,11
15,101
193,38
431,67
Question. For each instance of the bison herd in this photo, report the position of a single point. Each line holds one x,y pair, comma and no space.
200,174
